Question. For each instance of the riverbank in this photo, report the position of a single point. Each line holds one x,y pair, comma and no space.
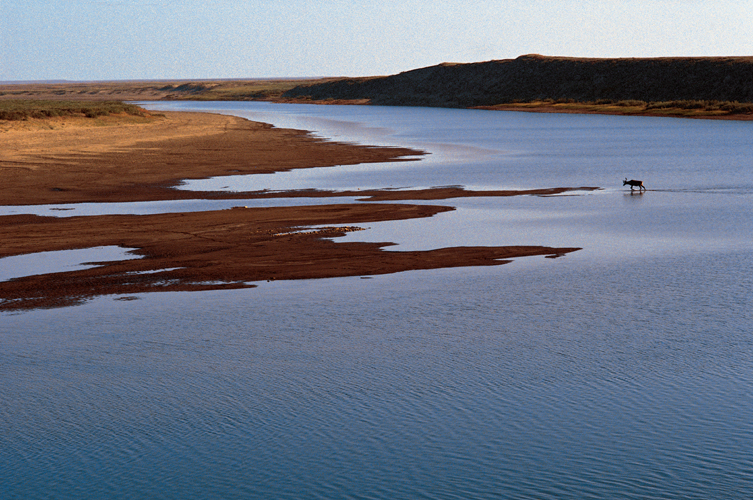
66,162
688,87
700,110
681,87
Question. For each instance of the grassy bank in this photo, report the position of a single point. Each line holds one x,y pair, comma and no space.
681,109
22,109
240,90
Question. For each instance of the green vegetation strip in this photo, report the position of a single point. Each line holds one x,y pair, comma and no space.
17,109
679,108
731,107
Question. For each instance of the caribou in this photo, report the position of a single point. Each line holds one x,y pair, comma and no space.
633,183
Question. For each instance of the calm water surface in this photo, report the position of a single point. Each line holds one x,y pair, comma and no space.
624,370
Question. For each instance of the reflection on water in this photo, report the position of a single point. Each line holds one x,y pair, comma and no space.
161,207
60,261
498,150
561,381
607,225
349,177
620,371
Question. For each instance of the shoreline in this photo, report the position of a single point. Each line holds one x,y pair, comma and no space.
614,110
79,164
580,108
278,91
193,251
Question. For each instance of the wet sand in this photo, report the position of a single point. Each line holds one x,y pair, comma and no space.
72,162
144,162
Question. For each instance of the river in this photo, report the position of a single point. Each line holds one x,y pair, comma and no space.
623,370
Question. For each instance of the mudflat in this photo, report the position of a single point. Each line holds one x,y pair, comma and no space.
119,159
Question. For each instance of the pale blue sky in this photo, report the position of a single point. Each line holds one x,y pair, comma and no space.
152,39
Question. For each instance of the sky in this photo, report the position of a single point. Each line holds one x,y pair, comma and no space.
84,40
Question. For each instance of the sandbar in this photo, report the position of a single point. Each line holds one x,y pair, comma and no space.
67,162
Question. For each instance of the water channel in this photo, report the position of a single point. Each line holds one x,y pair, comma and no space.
623,370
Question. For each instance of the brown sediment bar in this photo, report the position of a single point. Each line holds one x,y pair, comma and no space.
200,250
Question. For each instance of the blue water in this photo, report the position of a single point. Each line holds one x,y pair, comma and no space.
624,370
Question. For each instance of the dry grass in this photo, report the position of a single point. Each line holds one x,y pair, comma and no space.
200,90
684,108
239,90
23,109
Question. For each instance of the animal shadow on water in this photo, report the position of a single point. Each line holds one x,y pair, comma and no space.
633,184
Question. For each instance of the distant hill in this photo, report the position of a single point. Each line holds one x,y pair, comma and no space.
33,82
534,78
691,87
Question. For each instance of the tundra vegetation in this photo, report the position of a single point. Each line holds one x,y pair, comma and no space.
689,108
25,109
